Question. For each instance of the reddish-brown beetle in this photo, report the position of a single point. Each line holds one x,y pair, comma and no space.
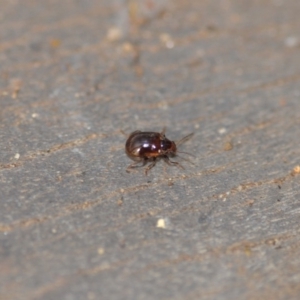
144,147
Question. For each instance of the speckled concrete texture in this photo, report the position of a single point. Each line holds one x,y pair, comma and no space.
76,74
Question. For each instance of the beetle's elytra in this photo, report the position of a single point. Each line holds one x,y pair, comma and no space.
149,147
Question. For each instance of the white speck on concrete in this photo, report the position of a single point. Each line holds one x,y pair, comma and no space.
222,130
291,41
161,223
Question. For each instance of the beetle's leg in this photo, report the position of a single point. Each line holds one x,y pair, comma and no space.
163,131
149,167
172,163
184,139
135,165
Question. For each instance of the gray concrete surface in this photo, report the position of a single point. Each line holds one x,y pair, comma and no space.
74,224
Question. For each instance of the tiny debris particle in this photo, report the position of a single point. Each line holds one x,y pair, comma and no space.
128,47
272,242
250,202
15,86
120,201
161,223
170,182
222,130
240,188
101,251
297,169
114,34
34,115
167,40
55,43
291,41
228,146
17,155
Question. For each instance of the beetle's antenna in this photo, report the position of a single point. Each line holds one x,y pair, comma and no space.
181,157
185,153
163,130
184,139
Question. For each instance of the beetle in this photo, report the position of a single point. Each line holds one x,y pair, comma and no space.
148,147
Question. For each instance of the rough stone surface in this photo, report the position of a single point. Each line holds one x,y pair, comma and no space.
74,224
